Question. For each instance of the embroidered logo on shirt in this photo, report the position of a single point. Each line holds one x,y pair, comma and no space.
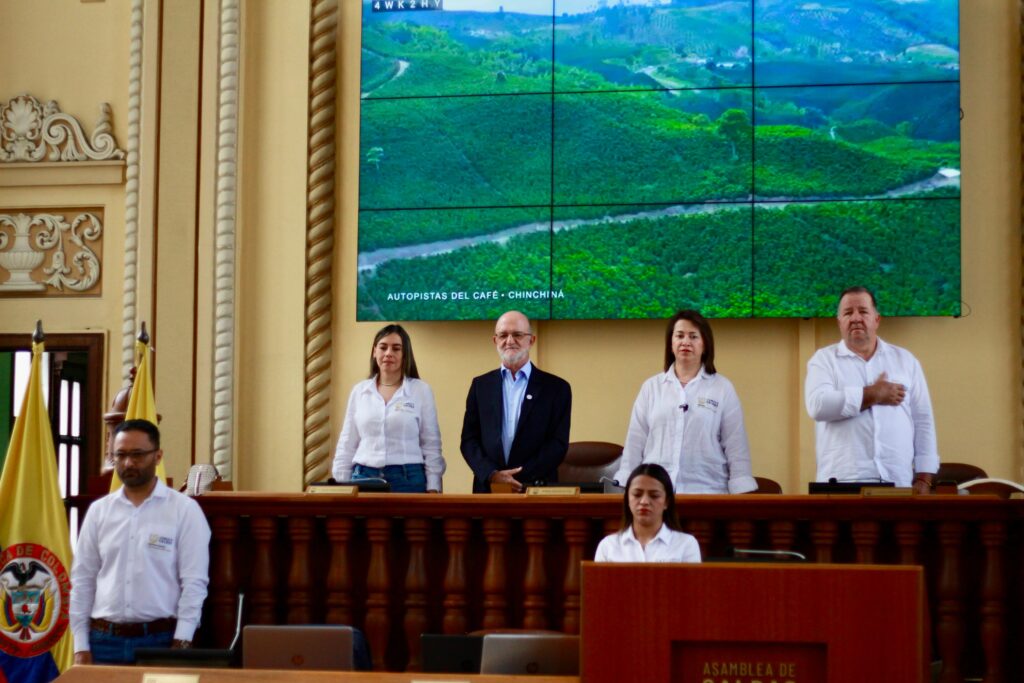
405,407
705,402
158,542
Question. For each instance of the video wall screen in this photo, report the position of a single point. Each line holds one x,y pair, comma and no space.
582,159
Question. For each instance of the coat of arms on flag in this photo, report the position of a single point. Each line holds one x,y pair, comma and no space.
34,599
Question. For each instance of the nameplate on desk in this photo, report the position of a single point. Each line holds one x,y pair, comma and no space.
886,491
170,678
334,490
553,491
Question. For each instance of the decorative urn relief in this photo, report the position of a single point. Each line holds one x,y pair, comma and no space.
70,262
21,259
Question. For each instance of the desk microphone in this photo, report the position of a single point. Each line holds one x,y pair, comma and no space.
611,485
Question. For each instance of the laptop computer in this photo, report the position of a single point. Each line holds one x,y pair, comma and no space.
443,653
313,647
530,654
833,487
196,657
190,658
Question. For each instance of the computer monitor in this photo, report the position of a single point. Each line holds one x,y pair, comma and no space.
444,653
758,555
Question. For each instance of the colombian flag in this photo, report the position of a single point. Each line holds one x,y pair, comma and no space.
141,404
35,550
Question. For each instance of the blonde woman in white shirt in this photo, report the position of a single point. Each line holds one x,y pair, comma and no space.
650,527
689,419
391,429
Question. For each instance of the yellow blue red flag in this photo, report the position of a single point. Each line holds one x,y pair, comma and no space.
141,403
35,548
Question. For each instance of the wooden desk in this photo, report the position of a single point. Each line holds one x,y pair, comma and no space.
399,565
130,674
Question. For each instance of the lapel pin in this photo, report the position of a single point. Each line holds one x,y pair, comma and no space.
529,396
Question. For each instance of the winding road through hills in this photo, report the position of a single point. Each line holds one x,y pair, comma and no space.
370,260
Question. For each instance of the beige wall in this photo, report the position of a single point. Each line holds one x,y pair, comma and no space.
271,249
972,363
80,62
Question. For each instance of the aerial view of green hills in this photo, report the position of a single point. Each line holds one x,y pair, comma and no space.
583,159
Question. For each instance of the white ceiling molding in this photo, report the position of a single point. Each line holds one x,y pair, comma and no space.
42,146
33,131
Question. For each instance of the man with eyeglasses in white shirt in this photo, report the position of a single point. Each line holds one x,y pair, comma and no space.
871,404
516,427
141,562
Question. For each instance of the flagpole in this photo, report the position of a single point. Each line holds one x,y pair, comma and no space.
141,401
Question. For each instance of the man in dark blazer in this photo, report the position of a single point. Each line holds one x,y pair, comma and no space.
516,428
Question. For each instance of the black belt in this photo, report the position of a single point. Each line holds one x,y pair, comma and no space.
165,625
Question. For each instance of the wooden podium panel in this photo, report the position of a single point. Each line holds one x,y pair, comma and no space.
752,623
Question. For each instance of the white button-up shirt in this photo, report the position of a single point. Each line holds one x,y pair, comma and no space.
889,443
138,564
403,431
667,546
696,433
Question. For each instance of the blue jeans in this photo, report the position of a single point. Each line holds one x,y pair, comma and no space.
111,649
402,478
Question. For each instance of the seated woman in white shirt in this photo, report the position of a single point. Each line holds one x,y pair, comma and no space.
688,419
391,429
650,527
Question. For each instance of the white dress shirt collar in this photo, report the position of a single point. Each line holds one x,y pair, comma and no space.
843,350
525,371
159,492
663,536
669,376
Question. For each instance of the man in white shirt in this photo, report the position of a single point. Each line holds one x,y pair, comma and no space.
871,403
142,560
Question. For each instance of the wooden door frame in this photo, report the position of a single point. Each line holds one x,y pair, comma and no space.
92,344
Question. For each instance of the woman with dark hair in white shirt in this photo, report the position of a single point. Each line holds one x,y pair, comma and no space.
391,429
650,527
688,419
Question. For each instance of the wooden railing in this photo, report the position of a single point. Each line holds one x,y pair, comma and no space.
400,565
